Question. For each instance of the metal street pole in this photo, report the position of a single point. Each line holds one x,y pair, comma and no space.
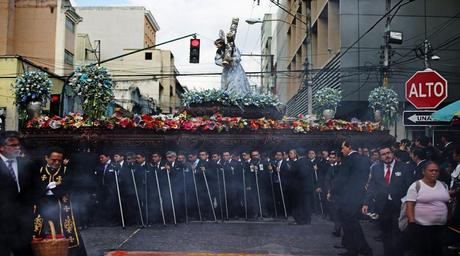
386,49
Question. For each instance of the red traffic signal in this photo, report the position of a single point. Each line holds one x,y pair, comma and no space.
194,50
55,104
195,42
55,98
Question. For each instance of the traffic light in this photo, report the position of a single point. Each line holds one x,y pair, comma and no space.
194,50
54,104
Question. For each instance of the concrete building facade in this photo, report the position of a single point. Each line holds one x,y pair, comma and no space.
290,39
118,28
42,31
151,71
336,59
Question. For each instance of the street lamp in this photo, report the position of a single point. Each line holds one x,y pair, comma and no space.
255,21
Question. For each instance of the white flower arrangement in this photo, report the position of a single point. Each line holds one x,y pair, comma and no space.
32,86
386,101
229,98
94,84
328,98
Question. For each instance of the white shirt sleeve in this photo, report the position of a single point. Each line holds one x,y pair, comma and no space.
412,193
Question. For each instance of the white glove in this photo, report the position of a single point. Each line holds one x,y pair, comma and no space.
50,186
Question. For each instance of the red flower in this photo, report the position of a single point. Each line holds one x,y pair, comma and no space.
125,122
187,125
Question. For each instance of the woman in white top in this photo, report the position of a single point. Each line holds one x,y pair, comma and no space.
427,211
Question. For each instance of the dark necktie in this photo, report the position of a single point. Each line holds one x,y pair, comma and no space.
11,171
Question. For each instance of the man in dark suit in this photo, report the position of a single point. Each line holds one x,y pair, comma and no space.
302,183
82,163
348,189
158,189
176,174
233,173
419,159
278,166
334,167
206,178
107,191
261,179
16,211
388,183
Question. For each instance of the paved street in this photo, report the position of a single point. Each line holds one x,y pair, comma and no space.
234,237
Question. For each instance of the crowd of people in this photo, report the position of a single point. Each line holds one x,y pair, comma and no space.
407,189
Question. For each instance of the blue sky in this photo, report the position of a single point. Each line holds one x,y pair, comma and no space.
205,17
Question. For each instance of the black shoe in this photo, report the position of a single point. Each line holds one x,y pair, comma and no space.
339,246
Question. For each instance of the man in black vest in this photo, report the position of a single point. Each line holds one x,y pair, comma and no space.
349,190
16,216
388,183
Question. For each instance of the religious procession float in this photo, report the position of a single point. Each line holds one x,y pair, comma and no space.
209,119
232,117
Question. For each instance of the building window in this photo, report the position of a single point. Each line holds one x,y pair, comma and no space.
68,57
148,55
69,24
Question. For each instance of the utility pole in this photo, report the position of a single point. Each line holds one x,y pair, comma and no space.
427,53
98,51
307,76
386,49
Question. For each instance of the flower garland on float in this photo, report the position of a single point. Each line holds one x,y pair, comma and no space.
184,122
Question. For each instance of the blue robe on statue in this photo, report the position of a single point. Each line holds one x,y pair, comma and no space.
234,78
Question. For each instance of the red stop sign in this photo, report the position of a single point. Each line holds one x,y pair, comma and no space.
426,89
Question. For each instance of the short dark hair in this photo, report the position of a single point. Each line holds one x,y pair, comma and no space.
423,140
384,147
407,142
54,149
120,153
348,144
141,153
105,154
419,153
428,163
6,135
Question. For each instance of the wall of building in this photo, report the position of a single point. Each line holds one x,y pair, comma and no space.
9,67
291,48
84,50
136,67
6,27
118,28
35,31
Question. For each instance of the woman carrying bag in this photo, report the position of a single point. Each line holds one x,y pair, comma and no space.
427,212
